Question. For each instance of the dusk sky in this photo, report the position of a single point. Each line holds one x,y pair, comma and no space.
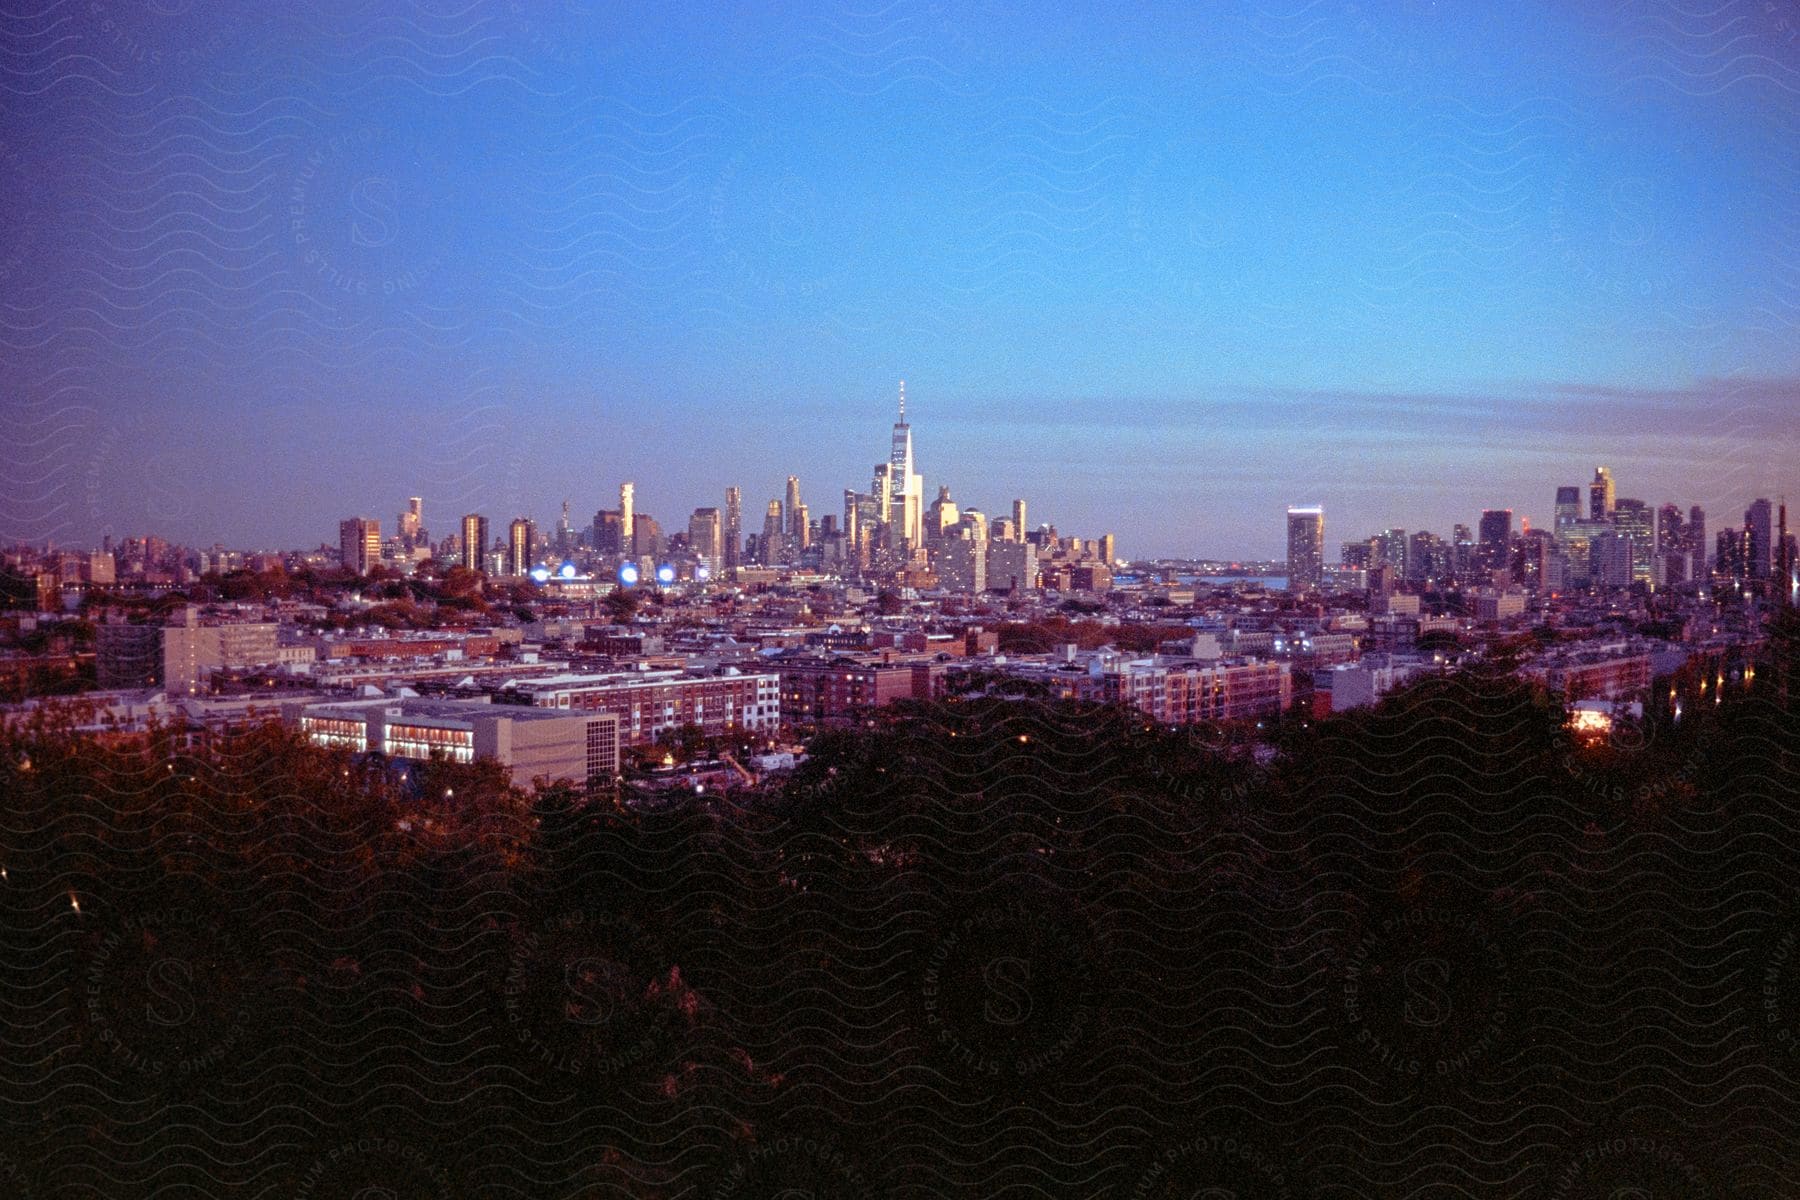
1160,271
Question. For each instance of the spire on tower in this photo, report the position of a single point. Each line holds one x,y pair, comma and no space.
903,401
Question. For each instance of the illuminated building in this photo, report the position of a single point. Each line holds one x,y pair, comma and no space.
521,546
734,525
1305,548
906,494
474,541
1635,520
528,742
359,544
1600,495
648,702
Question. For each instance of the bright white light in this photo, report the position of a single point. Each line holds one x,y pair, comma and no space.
1590,722
567,571
540,574
665,574
628,575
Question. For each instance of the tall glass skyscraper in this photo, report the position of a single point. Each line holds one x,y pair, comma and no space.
906,496
1568,506
1600,495
1636,520
1305,547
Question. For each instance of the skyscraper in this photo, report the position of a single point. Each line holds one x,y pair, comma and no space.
907,490
1671,530
474,542
628,513
1462,553
790,513
881,490
1018,519
734,525
1390,546
1611,560
705,533
609,536
1674,553
521,546
1732,560
1600,495
1494,550
565,533
412,522
771,543
1305,547
1697,542
359,544
1635,520
1759,522
1428,558
1568,506
646,536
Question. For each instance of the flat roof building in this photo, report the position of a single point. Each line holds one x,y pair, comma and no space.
529,742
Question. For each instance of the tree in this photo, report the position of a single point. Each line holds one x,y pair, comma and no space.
621,604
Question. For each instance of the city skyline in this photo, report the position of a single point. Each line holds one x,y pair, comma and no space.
679,515
1167,274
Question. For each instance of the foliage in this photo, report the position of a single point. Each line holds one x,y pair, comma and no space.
761,957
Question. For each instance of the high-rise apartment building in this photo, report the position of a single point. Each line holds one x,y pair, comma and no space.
961,564
521,546
1696,533
1671,529
1759,523
359,544
1305,547
609,532
1600,495
628,513
734,525
1428,558
646,536
1462,543
705,533
1390,546
1732,560
1012,566
474,542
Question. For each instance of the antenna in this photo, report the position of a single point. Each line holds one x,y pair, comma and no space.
903,401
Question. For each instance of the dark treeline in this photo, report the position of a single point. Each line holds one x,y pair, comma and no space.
987,947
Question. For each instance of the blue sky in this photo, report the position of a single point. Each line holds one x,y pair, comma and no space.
1161,273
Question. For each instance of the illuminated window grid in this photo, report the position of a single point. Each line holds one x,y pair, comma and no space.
336,731
423,741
